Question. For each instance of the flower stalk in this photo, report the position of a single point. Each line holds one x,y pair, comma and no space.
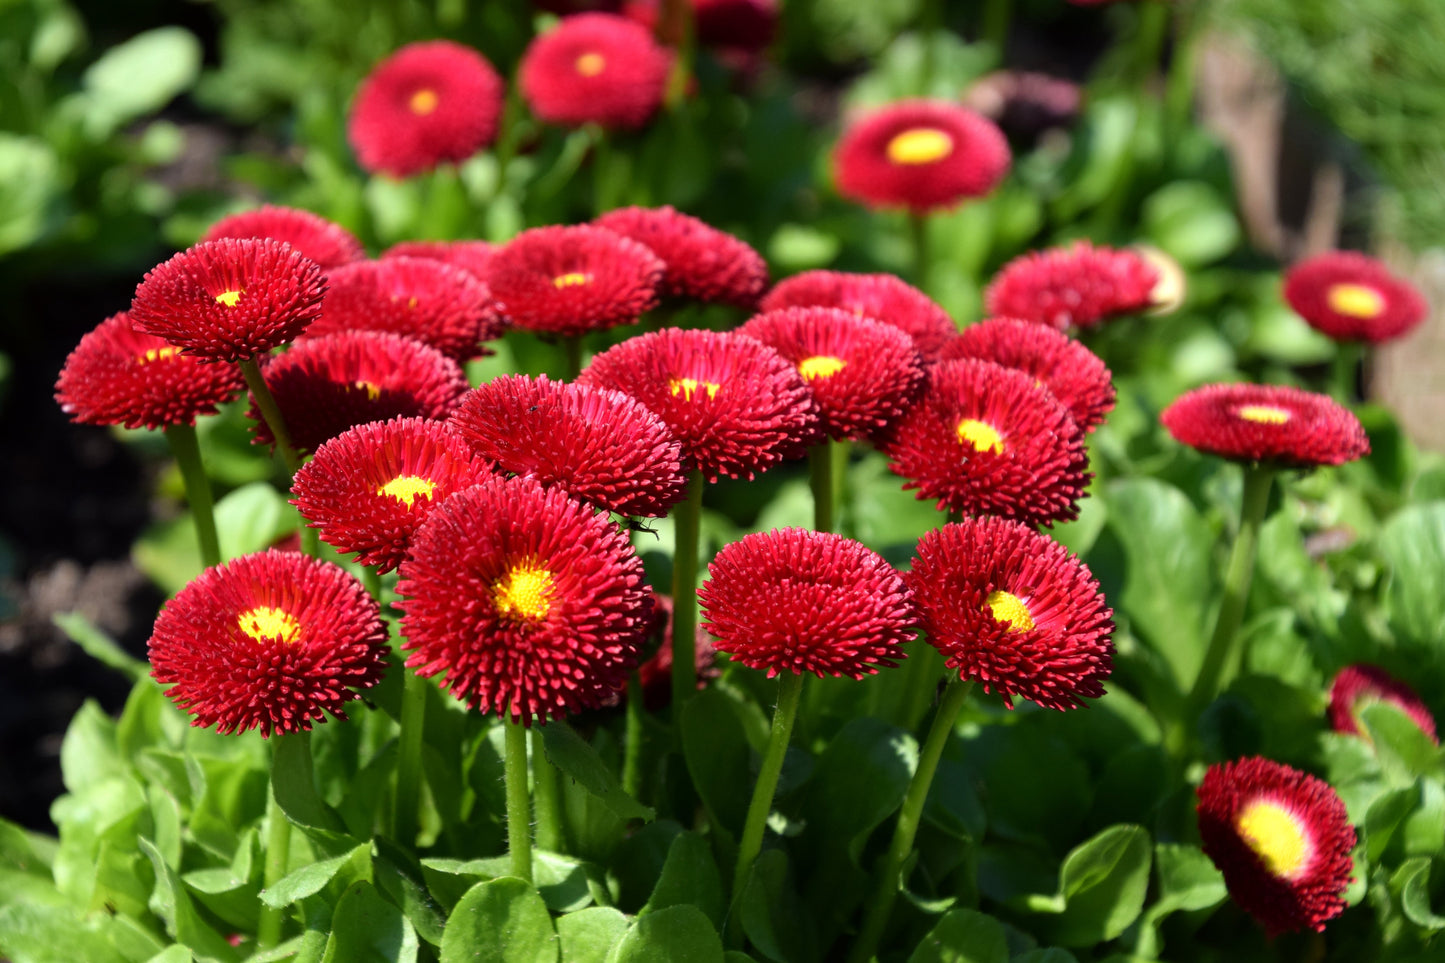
790,687
687,520
519,803
187,452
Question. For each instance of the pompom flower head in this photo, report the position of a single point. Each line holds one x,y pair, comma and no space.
921,155
119,375
271,641
863,374
597,68
1282,840
1080,286
1012,610
702,263
879,297
528,603
571,280
598,445
795,600
426,104
736,405
473,257
421,298
1352,297
368,489
231,299
983,439
326,385
1075,375
310,235
1277,424
1359,686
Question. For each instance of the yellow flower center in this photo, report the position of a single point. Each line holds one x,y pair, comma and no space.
228,298
571,279
820,366
1263,414
372,391
524,593
1355,300
921,145
423,102
1009,609
687,387
265,622
1277,837
591,64
981,435
158,354
406,488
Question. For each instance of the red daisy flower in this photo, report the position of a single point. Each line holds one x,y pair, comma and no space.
598,445
702,263
1352,297
1079,286
571,280
527,601
595,68
880,297
1287,427
426,104
737,25
419,298
311,235
270,641
1358,686
655,675
736,405
1075,375
324,386
920,154
988,440
1011,609
370,488
795,600
862,373
473,257
230,300
1282,840
119,375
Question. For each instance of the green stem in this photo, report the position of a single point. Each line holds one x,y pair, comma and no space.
547,789
1153,28
820,476
267,404
512,112
1179,87
996,17
887,881
687,519
1349,356
278,853
1221,654
790,687
918,230
842,493
676,29
632,754
187,451
371,580
571,357
519,804
405,819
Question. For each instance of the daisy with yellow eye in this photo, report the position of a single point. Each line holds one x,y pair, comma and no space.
1353,297
1282,840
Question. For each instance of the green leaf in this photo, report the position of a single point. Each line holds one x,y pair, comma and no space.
1169,576
1412,549
798,247
140,76
30,186
690,876
173,954
248,519
1050,955
715,747
100,646
400,878
88,754
1188,879
367,929
1404,750
571,754
588,935
1412,881
172,903
963,936
1102,886
673,935
772,915
309,880
294,783
40,933
500,921
565,883
25,852
1191,222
